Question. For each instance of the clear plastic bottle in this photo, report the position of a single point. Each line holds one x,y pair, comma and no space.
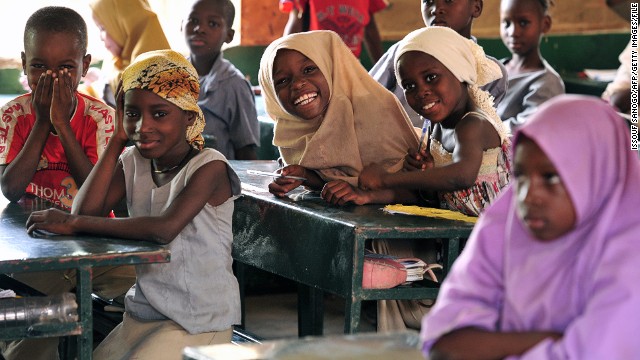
34,310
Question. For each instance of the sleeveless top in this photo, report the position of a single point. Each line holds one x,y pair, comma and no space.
197,288
494,174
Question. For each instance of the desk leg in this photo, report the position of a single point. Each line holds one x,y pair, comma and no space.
352,310
310,310
83,297
451,252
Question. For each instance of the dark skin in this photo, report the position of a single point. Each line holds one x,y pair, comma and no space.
54,64
157,129
206,29
463,344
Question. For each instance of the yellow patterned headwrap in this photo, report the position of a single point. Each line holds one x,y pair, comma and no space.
171,76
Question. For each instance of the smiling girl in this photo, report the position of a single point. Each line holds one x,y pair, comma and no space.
440,72
332,119
178,195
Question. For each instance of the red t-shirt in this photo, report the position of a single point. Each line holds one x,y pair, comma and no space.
348,18
92,123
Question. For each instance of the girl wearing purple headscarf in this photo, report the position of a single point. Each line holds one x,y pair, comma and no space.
551,268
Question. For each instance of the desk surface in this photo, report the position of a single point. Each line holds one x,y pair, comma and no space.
21,252
369,220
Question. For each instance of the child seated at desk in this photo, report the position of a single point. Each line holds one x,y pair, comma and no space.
467,162
532,80
551,268
178,194
332,119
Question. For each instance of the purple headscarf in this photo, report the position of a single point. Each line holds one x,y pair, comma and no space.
585,284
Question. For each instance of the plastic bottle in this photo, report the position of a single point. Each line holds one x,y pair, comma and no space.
34,310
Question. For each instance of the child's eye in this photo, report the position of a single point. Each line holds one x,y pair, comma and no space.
552,178
38,66
408,87
66,67
159,114
523,23
430,77
309,69
130,114
506,23
214,24
280,81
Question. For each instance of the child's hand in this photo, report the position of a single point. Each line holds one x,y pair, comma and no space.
118,130
63,101
52,220
281,186
418,161
371,177
340,192
41,96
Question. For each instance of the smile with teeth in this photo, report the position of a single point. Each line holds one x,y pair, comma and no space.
305,99
428,106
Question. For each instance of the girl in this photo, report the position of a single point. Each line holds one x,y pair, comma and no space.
177,194
532,80
128,29
550,270
332,118
440,72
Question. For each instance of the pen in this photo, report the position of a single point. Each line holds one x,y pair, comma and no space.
426,132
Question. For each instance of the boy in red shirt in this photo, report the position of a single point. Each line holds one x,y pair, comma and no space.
51,138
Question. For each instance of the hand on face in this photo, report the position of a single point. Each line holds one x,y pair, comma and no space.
281,186
63,99
52,220
119,132
42,95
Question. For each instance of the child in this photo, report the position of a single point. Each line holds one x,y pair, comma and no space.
332,118
49,141
51,137
128,29
177,194
440,72
457,15
550,270
353,20
532,80
226,98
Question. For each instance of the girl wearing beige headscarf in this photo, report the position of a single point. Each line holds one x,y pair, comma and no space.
128,28
362,123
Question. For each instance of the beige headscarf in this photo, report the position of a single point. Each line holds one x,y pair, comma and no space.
171,76
363,123
464,58
132,25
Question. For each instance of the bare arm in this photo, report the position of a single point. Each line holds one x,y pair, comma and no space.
340,192
209,184
372,40
294,24
476,344
471,136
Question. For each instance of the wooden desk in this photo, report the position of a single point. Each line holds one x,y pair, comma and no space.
368,346
23,253
321,246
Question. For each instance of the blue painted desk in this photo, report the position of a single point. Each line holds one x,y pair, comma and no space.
22,253
321,246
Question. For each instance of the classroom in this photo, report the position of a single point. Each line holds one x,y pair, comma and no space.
361,179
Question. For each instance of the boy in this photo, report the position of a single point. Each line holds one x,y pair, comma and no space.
49,141
50,138
226,98
457,15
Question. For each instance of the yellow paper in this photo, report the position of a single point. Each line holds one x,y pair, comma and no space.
429,212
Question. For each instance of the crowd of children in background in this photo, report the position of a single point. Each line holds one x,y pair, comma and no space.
350,135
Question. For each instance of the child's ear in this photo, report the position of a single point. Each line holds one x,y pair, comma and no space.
477,8
546,24
191,117
230,34
23,56
86,62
